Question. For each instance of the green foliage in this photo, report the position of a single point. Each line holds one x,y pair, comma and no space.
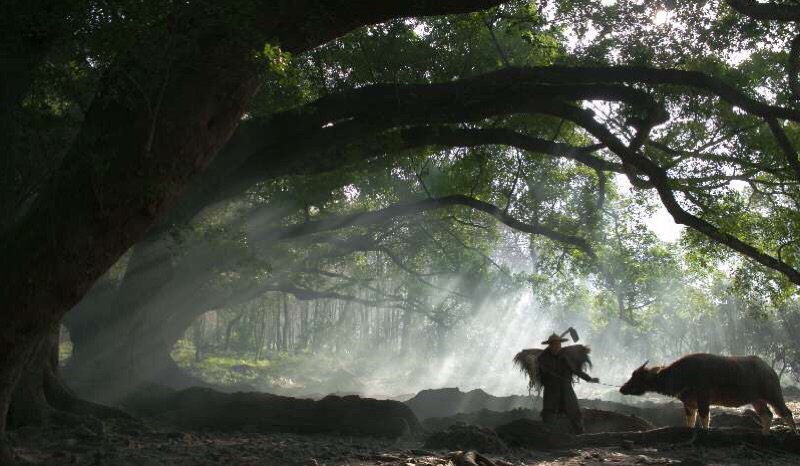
276,370
64,351
441,265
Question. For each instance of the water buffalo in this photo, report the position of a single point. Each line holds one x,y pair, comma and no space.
701,380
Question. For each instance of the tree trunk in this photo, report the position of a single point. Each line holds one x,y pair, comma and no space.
287,325
42,397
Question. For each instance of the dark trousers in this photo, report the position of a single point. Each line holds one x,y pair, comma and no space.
561,399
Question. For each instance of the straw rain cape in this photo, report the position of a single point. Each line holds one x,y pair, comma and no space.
577,357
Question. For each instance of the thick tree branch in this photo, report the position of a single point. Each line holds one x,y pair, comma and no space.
766,11
660,181
786,146
471,137
312,138
668,76
356,116
306,294
417,207
793,66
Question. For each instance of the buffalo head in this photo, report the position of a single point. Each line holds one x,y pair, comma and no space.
641,381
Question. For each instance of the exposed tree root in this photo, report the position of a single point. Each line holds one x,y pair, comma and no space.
61,397
6,455
42,398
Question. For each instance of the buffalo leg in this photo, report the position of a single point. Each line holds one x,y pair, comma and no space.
765,414
785,413
691,415
704,410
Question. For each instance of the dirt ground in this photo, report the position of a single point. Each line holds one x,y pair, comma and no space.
141,443
130,444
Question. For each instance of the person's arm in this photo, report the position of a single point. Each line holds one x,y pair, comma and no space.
586,376
577,358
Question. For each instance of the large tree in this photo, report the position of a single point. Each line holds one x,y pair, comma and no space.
177,80
679,118
520,108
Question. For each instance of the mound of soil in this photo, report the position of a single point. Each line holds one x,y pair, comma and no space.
466,437
443,402
203,409
527,433
484,418
597,420
439,408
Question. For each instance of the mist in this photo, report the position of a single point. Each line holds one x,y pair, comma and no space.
307,314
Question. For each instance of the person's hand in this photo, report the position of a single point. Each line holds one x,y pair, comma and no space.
595,380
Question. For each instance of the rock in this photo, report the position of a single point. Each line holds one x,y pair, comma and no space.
467,437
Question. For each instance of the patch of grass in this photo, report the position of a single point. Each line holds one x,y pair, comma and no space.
227,361
276,369
183,353
64,351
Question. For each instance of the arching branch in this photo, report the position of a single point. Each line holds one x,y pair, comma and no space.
660,181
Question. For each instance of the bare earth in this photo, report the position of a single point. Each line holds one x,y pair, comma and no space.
131,444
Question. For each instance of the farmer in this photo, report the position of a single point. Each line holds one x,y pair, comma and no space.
553,370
